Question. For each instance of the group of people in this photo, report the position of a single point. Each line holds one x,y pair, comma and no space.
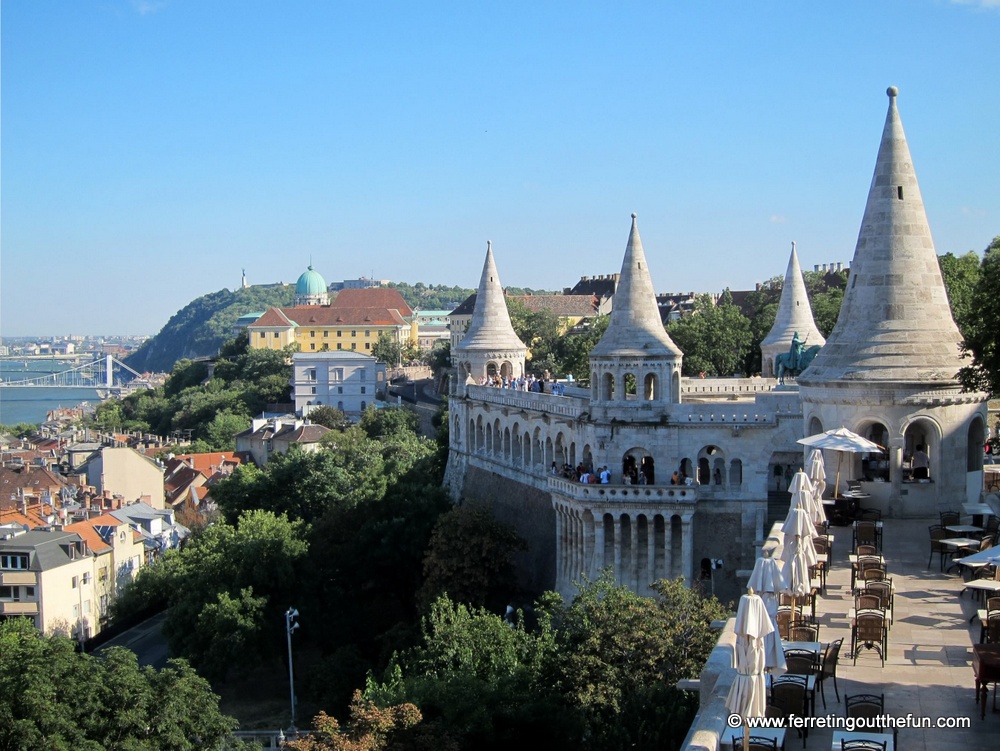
525,383
585,474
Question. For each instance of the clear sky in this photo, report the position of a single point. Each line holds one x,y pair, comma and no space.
151,149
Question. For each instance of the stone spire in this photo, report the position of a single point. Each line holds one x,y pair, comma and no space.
490,328
794,315
635,328
895,324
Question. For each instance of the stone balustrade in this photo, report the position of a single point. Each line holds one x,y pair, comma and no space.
625,493
564,406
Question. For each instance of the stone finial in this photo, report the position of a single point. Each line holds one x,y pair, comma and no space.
892,92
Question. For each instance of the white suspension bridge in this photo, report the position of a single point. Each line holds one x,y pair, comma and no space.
103,373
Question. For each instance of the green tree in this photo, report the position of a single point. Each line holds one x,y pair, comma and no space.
540,332
329,417
471,558
960,275
573,350
53,697
220,434
983,373
715,339
387,350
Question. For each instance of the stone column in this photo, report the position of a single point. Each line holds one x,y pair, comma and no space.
650,550
686,548
618,549
597,559
560,573
668,569
895,475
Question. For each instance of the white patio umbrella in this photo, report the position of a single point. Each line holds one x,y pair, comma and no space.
803,491
798,552
841,440
817,476
768,581
748,694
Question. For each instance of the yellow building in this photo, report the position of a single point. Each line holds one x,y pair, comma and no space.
353,321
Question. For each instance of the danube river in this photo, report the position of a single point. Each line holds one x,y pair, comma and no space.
32,404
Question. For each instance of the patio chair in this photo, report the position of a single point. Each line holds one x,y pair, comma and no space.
992,610
782,619
938,533
988,573
991,628
950,518
992,526
802,602
864,533
861,564
862,744
861,550
883,590
828,668
867,601
790,695
874,574
869,632
757,743
868,706
801,662
803,631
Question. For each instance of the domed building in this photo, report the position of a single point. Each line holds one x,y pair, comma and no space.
310,289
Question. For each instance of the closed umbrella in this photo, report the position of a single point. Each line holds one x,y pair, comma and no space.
798,553
817,476
768,581
803,491
748,694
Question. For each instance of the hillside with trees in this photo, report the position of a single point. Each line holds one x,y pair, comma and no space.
202,326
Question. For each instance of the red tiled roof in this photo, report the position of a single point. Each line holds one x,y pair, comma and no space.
86,530
372,297
273,317
325,316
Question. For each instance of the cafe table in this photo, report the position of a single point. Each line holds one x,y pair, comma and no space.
964,529
977,511
861,735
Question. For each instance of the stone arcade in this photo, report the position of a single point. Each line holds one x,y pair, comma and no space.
888,371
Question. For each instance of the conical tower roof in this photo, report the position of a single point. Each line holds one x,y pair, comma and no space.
635,328
895,324
794,312
490,328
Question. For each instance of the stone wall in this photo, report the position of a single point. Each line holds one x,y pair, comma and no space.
529,511
726,530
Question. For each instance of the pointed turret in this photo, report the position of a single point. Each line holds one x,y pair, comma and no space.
635,328
490,346
635,366
794,315
895,324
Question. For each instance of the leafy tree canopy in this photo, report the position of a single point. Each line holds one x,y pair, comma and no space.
983,373
715,339
54,697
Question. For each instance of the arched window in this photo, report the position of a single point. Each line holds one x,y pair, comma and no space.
608,387
815,426
921,449
649,387
976,443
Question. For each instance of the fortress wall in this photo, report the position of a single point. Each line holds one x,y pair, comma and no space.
726,530
529,511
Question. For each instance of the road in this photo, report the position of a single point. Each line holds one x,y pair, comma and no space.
146,640
416,397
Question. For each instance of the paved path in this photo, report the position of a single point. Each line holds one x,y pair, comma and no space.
928,666
146,640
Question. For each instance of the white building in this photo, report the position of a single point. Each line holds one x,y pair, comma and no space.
343,379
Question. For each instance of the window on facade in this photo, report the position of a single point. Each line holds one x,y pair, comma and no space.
368,345
362,389
311,374
368,332
361,374
340,389
363,405
353,345
326,334
86,606
340,333
338,345
312,346
312,390
86,577
29,591
10,593
102,575
338,374
313,333
105,601
276,334
76,612
75,582
14,561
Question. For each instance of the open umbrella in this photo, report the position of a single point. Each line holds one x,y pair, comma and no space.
841,440
748,694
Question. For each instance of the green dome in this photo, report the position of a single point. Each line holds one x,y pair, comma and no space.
310,283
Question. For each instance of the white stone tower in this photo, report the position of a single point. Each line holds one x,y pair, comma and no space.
794,316
888,370
490,346
635,368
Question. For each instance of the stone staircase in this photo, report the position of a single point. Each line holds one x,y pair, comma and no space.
777,507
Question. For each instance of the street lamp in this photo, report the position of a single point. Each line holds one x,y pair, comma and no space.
290,626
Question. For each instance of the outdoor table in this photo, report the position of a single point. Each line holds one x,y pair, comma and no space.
862,735
815,647
982,585
733,738
986,668
963,529
991,480
977,511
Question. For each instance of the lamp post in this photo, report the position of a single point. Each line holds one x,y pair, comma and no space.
290,625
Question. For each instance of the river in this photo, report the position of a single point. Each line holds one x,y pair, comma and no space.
32,404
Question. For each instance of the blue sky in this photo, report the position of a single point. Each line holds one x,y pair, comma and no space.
153,149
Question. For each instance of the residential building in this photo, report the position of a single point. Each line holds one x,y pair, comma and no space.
48,576
158,527
126,472
118,551
570,309
348,381
270,435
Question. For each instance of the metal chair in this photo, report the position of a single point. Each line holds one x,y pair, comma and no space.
790,695
861,550
938,533
865,533
757,743
991,628
803,631
801,662
862,744
869,632
950,518
828,668
882,590
867,706
783,618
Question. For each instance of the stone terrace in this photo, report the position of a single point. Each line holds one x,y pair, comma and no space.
928,668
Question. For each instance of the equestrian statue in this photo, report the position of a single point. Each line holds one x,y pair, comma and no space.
796,359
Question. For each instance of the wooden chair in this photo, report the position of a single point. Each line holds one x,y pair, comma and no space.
828,668
802,602
861,550
938,533
874,574
782,618
865,533
991,629
757,743
866,601
882,590
869,632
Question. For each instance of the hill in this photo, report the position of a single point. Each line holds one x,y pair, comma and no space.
203,325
